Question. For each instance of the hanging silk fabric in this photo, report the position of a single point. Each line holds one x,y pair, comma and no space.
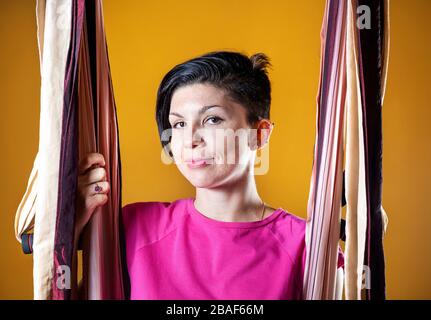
373,62
354,57
78,116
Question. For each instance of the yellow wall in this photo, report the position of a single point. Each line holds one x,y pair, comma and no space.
146,38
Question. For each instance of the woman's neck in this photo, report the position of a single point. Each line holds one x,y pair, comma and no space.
239,201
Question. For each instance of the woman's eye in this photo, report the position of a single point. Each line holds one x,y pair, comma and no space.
214,120
179,122
211,120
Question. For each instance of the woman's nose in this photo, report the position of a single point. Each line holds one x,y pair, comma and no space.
193,136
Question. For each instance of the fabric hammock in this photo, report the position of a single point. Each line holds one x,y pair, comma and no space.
78,116
353,71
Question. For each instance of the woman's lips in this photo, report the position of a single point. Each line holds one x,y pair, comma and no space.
199,163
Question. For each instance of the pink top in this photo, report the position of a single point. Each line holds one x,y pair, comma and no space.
175,252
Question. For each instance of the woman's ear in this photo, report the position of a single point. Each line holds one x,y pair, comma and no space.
260,134
264,130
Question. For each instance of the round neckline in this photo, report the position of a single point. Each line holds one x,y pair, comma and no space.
199,216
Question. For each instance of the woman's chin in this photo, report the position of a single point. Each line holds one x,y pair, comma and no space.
202,180
206,177
198,183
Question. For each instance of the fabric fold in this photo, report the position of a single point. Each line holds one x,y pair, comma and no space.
353,71
78,116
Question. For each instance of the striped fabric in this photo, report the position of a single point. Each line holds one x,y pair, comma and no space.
78,116
324,203
352,83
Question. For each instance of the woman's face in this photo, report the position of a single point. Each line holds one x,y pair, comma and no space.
212,143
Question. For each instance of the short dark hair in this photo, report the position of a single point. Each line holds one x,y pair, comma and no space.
245,80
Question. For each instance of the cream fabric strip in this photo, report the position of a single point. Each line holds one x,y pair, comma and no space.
38,207
356,198
56,37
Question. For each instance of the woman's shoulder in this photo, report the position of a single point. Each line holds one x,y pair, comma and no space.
148,221
289,231
290,224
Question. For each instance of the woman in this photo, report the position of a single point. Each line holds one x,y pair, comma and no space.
226,242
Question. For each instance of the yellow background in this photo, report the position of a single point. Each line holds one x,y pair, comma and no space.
147,38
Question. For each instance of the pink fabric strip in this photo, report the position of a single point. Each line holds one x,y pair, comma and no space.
103,267
324,206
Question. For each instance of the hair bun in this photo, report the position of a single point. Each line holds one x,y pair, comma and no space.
260,62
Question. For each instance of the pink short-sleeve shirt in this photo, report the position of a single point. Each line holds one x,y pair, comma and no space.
175,252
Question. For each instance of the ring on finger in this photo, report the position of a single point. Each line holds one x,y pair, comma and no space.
97,188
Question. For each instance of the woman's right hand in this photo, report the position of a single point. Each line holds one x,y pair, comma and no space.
92,189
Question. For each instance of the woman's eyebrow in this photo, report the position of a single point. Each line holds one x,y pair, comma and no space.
202,110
